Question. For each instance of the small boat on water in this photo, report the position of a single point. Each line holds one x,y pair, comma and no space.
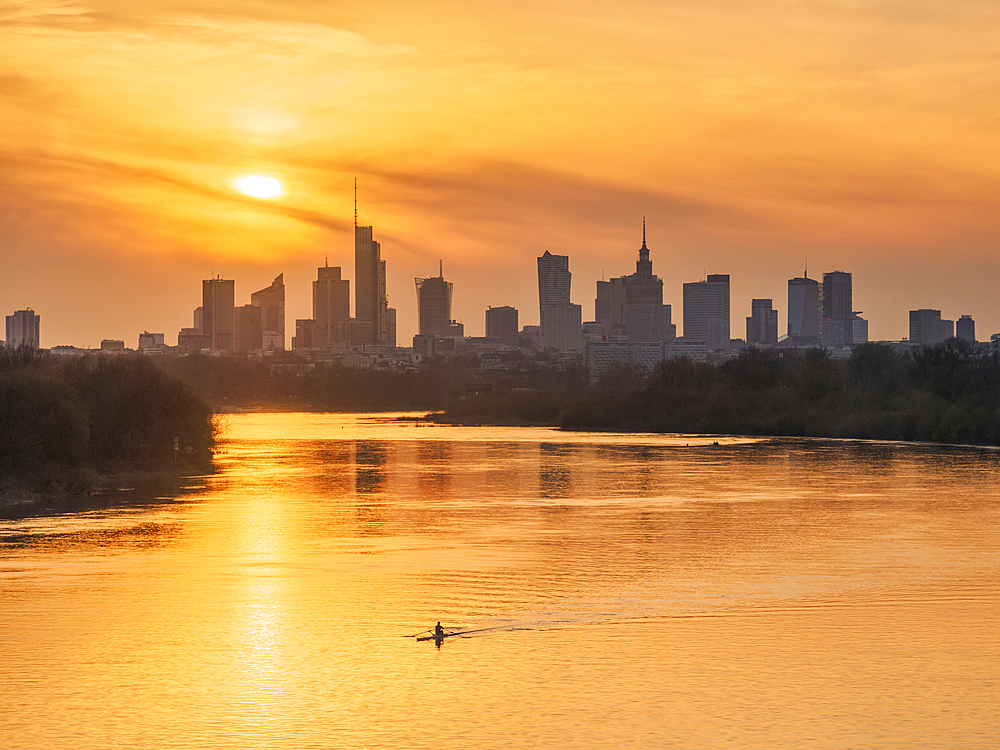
438,638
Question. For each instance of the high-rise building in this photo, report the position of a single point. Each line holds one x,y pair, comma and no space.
965,328
218,315
501,324
560,320
838,328
271,301
554,280
762,325
370,301
249,329
927,327
434,304
706,311
804,311
859,327
22,329
331,306
632,306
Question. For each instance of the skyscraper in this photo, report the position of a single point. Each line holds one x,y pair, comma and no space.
965,328
706,311
22,329
271,301
501,324
804,311
249,331
838,328
560,320
218,316
927,327
632,306
434,304
762,325
331,305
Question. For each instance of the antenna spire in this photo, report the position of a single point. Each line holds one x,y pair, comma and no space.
441,268
807,267
643,230
355,202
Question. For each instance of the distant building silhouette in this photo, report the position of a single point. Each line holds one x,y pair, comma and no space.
965,328
559,319
249,329
218,312
151,343
271,301
370,302
838,328
22,329
501,324
112,345
434,304
331,304
762,325
804,311
706,312
927,327
632,306
859,328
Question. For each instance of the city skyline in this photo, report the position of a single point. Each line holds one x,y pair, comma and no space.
792,316
752,136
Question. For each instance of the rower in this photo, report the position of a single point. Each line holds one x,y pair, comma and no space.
439,631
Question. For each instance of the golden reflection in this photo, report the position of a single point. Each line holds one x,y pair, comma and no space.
853,585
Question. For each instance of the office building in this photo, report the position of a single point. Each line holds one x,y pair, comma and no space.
331,306
218,312
501,325
859,329
249,330
762,325
632,306
22,329
837,329
927,327
151,343
559,319
271,301
706,312
434,304
805,313
370,302
965,328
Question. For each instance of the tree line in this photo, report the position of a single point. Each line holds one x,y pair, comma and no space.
65,423
949,393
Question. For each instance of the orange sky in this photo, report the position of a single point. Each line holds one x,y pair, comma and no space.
864,135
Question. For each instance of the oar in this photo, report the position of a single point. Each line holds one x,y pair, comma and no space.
416,634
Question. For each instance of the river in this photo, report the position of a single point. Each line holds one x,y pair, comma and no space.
628,591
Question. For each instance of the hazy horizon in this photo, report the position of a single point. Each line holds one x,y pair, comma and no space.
750,136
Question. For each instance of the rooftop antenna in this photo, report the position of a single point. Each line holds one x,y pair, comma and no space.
807,267
441,268
643,230
355,202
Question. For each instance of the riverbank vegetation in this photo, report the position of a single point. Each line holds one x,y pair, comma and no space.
68,426
947,394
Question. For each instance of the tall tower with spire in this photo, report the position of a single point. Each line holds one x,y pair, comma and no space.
631,307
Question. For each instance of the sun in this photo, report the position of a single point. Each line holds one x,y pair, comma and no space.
259,186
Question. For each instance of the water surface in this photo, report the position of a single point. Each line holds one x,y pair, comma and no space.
631,592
